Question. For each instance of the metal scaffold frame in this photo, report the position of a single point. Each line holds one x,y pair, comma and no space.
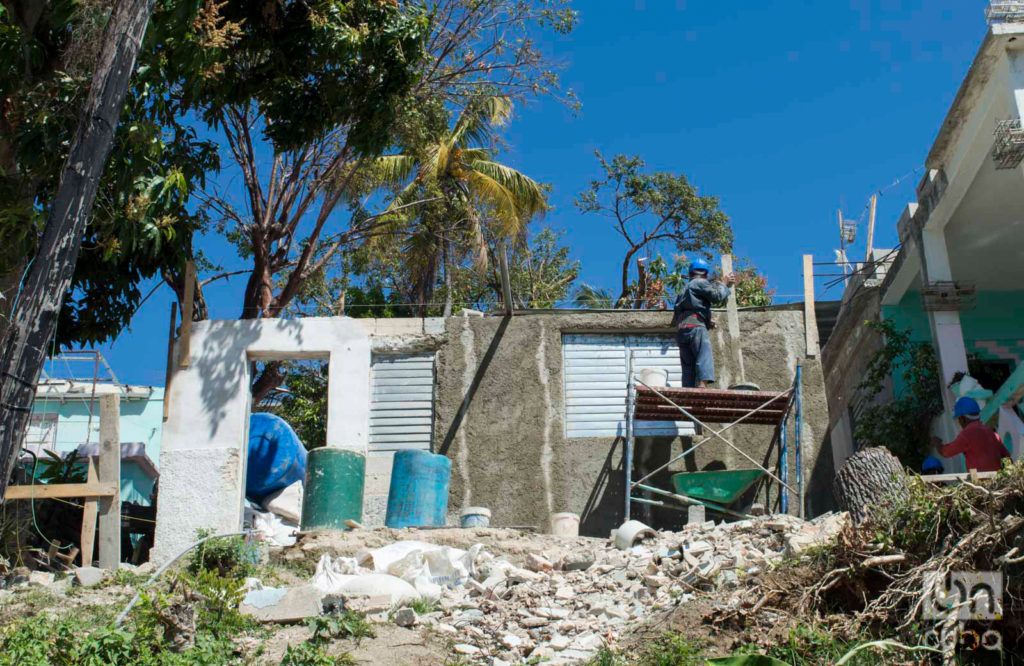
776,410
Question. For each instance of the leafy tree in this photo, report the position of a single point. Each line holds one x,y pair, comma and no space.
589,297
903,423
303,402
654,209
453,196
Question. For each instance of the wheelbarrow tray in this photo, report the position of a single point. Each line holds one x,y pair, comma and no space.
721,486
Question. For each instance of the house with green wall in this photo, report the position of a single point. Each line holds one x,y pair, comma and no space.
956,279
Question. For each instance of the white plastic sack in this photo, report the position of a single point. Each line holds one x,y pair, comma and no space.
375,584
426,565
271,527
332,574
286,503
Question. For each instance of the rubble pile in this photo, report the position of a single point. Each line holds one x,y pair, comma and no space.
564,601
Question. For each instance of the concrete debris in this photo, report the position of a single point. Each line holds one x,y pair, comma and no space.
630,533
89,576
573,596
282,606
406,617
41,578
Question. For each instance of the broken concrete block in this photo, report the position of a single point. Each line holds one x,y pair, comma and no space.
695,514
577,561
41,578
282,605
630,533
406,617
537,563
89,576
466,649
511,641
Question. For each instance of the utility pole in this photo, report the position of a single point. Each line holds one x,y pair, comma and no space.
34,322
871,230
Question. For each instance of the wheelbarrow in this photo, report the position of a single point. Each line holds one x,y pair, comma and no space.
716,489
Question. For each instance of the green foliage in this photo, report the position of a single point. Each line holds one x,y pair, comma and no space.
424,606
304,405
347,624
588,297
307,654
55,468
227,557
902,424
653,209
922,521
808,645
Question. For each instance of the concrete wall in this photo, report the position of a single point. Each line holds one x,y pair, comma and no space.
500,410
202,464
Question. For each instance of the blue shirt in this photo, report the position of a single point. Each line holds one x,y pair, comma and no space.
693,305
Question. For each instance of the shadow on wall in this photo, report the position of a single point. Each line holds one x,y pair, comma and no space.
224,364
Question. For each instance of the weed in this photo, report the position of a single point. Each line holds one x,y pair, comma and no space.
126,577
344,625
227,556
424,606
672,650
307,654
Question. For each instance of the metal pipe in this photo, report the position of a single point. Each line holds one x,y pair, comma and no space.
796,436
628,463
695,502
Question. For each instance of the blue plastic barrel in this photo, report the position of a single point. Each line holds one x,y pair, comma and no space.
418,496
277,458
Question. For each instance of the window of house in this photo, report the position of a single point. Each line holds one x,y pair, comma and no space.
402,402
595,382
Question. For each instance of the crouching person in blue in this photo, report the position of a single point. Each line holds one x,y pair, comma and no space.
692,320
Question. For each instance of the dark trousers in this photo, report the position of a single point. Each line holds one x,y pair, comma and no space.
695,355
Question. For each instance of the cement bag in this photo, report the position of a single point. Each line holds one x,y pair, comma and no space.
379,559
374,585
332,574
286,503
413,560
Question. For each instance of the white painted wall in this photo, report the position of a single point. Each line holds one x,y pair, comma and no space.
202,459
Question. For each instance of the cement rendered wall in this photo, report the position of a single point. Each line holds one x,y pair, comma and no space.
500,408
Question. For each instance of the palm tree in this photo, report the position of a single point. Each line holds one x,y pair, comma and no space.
453,195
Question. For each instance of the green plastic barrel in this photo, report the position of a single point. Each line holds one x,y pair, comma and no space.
334,489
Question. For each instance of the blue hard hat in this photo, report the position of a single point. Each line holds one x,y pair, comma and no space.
932,464
966,407
699,265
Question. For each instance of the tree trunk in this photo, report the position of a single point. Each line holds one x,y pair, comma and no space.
35,319
447,280
870,479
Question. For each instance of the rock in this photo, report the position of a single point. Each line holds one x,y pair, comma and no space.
578,561
282,605
466,649
565,592
377,603
588,642
89,576
532,622
511,641
406,617
535,562
41,578
559,643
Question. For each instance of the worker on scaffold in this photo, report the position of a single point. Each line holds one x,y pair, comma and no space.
692,320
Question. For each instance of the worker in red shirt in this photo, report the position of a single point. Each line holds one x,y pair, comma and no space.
981,446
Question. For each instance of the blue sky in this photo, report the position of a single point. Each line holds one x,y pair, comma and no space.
786,110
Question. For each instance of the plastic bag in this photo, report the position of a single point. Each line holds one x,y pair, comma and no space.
332,574
271,527
427,565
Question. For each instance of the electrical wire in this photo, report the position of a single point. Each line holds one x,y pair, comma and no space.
32,504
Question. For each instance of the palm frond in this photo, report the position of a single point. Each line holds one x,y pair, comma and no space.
392,170
593,298
478,119
528,194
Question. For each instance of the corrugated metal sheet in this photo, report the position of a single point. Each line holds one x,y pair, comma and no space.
402,401
595,382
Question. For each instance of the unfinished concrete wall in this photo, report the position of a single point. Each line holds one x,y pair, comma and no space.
202,459
500,415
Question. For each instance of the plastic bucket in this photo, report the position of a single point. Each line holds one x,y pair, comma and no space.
565,524
655,377
418,496
475,516
334,489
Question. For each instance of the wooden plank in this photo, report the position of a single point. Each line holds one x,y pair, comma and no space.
90,513
810,317
170,362
110,473
185,344
943,478
60,491
732,315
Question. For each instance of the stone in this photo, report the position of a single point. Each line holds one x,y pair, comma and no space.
695,514
532,622
511,641
41,578
588,642
406,617
282,605
565,592
535,562
89,576
466,649
578,561
559,643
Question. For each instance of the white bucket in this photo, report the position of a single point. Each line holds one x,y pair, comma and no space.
475,516
565,524
654,377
